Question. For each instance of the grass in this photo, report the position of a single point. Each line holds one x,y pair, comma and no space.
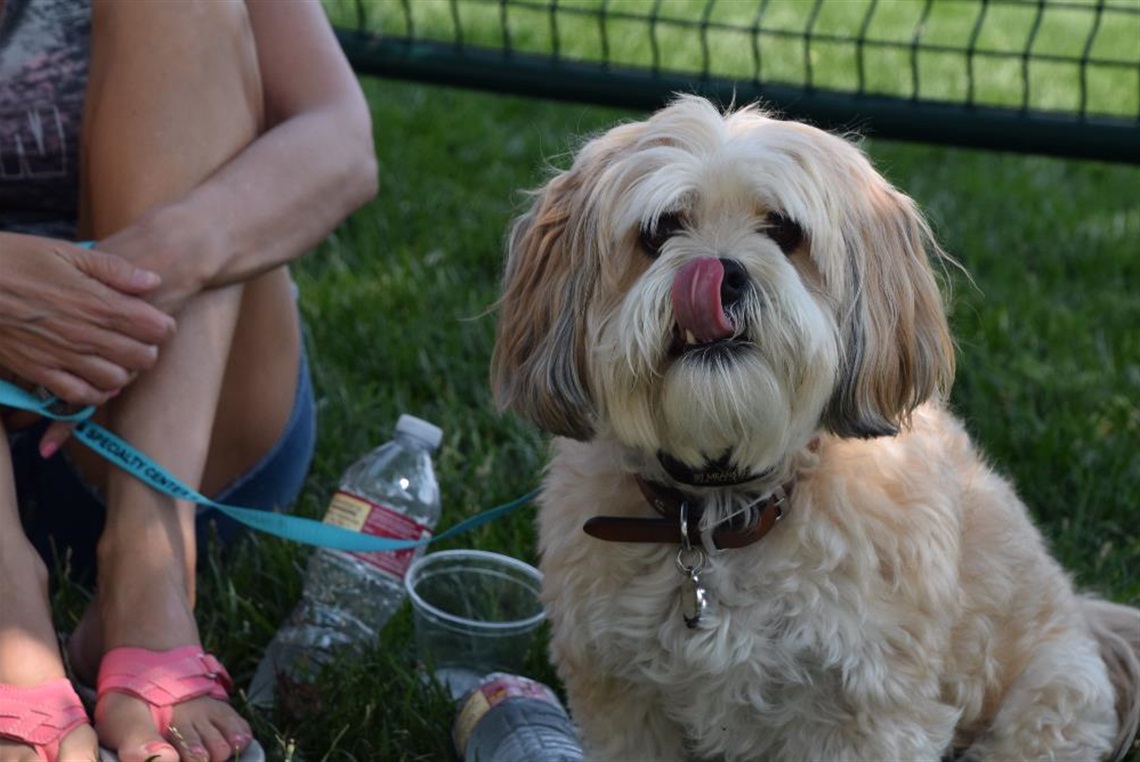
952,50
397,304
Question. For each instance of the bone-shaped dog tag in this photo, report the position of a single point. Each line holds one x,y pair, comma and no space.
694,598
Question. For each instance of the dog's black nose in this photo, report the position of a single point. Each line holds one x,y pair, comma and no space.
735,281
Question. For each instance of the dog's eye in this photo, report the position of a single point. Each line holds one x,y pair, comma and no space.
652,239
785,231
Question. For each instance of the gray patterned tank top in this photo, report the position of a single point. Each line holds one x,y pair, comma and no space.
44,51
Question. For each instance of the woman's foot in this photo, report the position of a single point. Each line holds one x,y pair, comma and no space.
201,728
150,611
30,658
40,717
161,685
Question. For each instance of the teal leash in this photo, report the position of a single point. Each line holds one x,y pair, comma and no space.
294,528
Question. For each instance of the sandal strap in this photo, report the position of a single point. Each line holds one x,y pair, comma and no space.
162,678
41,715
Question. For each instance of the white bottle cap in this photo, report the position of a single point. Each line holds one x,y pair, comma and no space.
426,432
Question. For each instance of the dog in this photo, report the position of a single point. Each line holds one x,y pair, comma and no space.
763,534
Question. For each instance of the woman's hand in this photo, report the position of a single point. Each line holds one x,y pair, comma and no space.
74,320
153,243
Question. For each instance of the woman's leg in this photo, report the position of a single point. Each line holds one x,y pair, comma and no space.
177,95
29,653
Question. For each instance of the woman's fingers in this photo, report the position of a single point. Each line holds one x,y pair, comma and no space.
93,349
120,307
75,320
73,389
54,436
116,272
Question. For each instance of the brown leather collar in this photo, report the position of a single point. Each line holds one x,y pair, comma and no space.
667,501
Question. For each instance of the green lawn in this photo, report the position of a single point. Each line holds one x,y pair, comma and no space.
989,52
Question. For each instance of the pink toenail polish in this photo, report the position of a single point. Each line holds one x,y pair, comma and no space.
157,747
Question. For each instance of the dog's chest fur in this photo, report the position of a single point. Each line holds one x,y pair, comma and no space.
758,659
853,597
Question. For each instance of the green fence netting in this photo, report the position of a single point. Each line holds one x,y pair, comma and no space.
1058,77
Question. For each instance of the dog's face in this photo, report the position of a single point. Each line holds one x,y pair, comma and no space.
711,290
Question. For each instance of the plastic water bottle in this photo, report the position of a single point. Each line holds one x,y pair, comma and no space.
348,597
510,718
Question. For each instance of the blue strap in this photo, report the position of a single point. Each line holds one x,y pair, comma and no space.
295,528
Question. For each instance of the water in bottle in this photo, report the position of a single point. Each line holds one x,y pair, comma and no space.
510,718
349,596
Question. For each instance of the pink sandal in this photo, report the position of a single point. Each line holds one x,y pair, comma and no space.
165,678
40,716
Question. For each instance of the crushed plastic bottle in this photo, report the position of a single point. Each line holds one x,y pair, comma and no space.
348,597
511,718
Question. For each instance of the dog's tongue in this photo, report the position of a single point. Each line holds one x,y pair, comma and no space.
696,300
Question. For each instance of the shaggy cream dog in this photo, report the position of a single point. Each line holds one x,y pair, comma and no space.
791,549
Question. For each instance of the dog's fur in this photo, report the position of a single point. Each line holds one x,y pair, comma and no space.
905,606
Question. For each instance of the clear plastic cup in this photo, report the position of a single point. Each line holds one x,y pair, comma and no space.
475,612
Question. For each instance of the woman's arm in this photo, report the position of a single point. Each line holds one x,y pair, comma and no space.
314,164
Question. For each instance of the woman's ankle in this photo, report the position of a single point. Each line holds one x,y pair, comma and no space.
146,610
29,650
83,648
23,577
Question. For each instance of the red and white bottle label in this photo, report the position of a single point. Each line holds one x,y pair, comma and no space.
494,690
362,515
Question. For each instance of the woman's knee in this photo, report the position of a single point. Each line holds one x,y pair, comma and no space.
192,53
174,91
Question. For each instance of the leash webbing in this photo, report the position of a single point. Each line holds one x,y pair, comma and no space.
120,453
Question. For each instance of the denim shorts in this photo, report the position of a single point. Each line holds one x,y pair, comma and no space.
63,516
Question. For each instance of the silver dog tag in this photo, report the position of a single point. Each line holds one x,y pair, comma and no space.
694,599
690,561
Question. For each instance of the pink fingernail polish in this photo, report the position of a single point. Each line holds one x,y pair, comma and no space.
47,449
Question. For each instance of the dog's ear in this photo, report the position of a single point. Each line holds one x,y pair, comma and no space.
896,345
538,368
